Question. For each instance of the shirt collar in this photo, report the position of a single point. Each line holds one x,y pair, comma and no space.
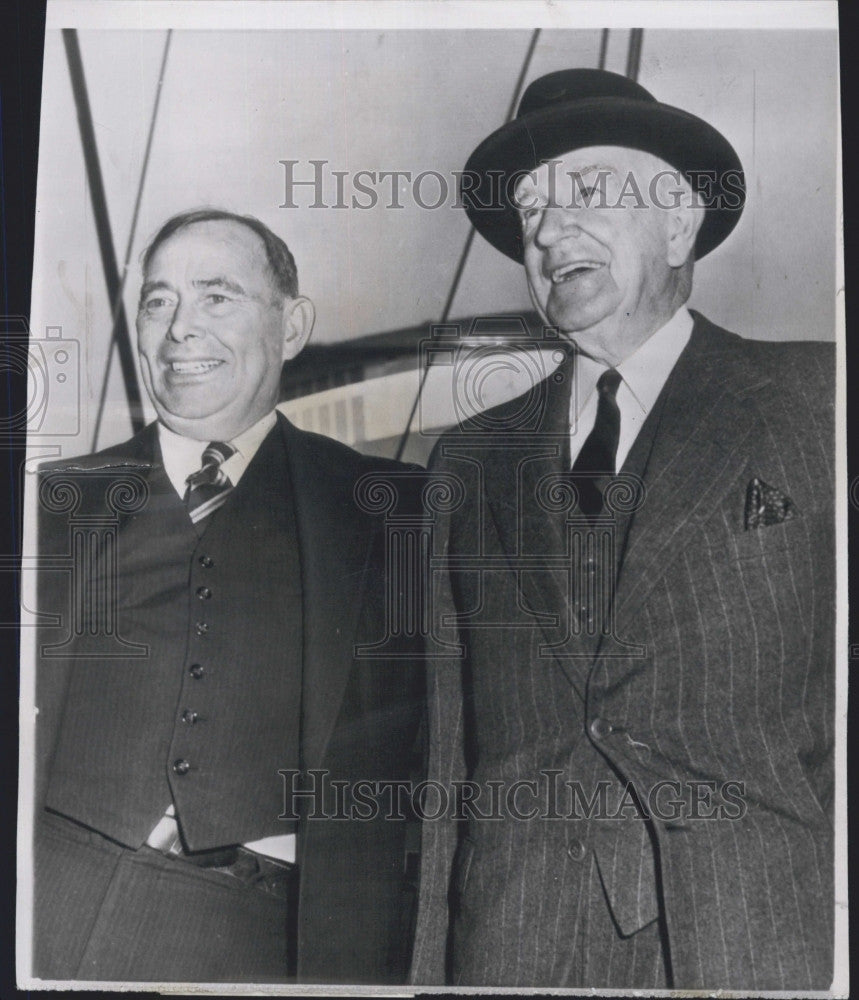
248,441
646,370
182,455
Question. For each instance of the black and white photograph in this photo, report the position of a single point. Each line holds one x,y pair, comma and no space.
433,573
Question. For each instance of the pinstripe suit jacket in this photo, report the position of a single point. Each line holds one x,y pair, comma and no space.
735,684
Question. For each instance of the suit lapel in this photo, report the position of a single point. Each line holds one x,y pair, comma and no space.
699,450
140,451
334,541
526,524
705,417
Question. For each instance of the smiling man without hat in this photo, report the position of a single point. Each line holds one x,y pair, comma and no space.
647,689
246,574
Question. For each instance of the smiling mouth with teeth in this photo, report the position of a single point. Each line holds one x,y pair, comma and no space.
194,367
569,271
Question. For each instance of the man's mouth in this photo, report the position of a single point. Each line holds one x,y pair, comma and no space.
567,272
198,367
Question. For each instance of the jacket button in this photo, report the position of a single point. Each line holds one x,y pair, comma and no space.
577,850
600,728
201,628
196,670
181,766
207,561
189,716
204,593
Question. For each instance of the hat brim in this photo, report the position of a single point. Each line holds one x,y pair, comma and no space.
684,141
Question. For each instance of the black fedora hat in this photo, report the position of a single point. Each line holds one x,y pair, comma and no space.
574,108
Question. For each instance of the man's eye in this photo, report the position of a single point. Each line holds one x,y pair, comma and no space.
155,304
216,299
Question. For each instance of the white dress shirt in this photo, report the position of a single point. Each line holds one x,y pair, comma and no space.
183,456
643,374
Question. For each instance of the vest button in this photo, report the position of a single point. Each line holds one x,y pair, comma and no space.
577,850
181,766
189,716
204,593
207,561
201,628
600,728
196,670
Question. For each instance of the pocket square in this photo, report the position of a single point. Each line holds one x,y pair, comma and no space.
766,505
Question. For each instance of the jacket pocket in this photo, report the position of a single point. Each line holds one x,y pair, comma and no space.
755,543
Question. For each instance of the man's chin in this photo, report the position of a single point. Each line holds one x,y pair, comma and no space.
189,412
222,424
194,421
576,323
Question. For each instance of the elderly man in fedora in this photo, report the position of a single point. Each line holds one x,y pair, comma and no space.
636,721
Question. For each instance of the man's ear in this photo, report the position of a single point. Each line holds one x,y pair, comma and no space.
683,224
298,317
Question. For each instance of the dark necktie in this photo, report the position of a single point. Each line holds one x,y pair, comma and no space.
596,461
209,487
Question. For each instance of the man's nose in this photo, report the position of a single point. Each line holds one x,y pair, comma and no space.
183,323
556,223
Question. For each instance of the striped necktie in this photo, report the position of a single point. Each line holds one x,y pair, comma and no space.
209,487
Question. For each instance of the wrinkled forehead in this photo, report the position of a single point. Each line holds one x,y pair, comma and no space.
586,166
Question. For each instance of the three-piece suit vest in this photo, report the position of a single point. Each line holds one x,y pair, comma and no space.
210,712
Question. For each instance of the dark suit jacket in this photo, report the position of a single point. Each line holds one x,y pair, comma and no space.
359,716
736,684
